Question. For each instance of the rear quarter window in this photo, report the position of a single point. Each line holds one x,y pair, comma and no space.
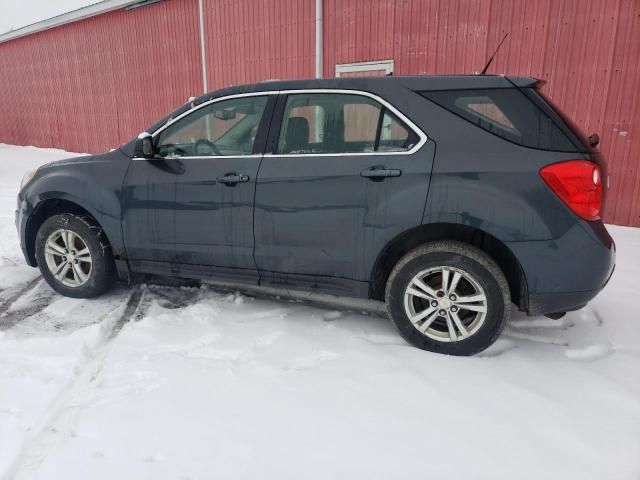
507,113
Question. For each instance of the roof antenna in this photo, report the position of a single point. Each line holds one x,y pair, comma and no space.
484,70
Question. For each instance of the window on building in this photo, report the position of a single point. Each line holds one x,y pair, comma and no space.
321,123
228,127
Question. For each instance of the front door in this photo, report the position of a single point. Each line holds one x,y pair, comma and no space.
212,155
348,173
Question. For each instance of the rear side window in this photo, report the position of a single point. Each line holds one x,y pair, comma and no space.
321,123
507,113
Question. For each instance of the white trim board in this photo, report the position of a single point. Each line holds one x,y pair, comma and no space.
386,65
69,17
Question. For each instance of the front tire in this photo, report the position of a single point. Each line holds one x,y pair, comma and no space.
74,256
448,297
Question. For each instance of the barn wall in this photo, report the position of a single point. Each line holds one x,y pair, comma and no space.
587,51
250,41
93,84
90,85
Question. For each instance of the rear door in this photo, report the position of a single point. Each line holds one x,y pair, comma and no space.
345,173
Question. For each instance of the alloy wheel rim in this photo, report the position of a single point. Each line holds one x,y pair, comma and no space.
68,258
445,304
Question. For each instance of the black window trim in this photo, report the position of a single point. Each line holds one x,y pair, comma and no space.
423,93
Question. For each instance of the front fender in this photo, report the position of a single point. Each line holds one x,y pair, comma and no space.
92,183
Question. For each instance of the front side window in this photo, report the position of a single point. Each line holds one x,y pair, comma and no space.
322,123
224,128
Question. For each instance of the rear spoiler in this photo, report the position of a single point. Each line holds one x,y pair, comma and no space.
526,82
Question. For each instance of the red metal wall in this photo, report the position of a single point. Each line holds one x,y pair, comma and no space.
587,50
93,84
249,41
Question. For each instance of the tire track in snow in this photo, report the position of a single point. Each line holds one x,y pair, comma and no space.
33,304
6,304
133,310
513,334
57,422
13,318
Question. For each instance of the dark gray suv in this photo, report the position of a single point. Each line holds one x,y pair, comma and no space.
449,197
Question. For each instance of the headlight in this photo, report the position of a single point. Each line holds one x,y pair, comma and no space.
27,178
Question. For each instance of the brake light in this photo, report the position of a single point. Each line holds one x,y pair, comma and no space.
578,183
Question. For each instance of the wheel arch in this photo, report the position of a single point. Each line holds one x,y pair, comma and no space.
410,239
46,209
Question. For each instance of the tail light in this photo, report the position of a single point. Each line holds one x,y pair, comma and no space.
578,183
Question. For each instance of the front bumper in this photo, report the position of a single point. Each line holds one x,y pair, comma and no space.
21,217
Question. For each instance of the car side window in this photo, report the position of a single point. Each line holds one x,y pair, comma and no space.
224,128
323,123
394,135
508,113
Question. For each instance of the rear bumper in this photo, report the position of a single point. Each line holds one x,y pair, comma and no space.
566,273
544,303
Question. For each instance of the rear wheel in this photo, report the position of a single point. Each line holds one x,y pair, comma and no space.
74,256
448,297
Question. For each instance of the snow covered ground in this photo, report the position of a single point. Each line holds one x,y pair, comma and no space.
154,382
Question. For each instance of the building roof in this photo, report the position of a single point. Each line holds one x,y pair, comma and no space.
92,10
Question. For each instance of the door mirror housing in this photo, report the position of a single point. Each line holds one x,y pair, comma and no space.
144,146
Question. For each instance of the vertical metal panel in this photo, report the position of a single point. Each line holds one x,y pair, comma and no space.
91,85
250,41
588,52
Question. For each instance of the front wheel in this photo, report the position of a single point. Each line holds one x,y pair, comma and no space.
74,256
448,297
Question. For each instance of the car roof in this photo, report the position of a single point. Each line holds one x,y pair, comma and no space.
418,83
368,84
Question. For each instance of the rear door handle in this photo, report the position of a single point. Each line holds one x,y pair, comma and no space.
380,173
233,179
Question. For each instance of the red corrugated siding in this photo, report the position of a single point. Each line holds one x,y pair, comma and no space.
588,51
249,41
93,84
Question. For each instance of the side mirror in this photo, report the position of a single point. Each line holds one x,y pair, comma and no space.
144,146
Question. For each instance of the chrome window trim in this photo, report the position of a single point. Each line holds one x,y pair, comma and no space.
210,102
200,157
421,135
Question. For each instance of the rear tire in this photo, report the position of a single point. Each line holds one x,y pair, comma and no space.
448,297
74,256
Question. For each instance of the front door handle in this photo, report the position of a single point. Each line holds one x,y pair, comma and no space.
380,173
233,179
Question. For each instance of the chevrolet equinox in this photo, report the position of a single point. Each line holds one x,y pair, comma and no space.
448,197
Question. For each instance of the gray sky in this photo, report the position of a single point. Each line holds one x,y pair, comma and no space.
18,13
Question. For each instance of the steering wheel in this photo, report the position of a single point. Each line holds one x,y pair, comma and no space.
171,149
205,147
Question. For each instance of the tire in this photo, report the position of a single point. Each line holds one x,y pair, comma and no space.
480,285
89,274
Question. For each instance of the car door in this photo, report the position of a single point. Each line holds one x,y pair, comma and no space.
205,171
346,172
